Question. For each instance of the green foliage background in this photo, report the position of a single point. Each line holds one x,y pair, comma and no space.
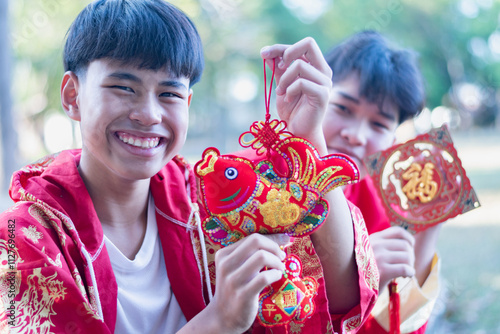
233,32
459,45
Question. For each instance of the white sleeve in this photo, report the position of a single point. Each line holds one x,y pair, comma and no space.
416,302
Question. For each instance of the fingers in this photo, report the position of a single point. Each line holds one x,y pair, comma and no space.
394,253
281,239
306,49
396,232
299,73
241,262
241,250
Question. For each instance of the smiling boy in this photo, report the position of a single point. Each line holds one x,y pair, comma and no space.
107,238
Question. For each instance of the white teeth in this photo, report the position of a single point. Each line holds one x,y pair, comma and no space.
145,143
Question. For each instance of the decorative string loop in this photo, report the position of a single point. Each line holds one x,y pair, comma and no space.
267,98
264,136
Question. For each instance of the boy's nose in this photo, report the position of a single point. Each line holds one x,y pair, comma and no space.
148,113
354,135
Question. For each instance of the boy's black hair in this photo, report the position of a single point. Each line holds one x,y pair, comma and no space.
384,71
151,34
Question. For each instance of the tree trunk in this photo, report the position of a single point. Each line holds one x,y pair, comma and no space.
7,127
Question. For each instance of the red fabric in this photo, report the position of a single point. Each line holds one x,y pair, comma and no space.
55,224
322,321
55,221
364,195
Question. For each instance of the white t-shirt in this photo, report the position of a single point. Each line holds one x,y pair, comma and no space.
146,303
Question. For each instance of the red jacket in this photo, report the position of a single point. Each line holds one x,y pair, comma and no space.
58,277
364,196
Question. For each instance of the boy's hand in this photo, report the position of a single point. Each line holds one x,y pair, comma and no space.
394,253
240,278
303,84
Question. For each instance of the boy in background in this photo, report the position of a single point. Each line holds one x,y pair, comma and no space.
376,87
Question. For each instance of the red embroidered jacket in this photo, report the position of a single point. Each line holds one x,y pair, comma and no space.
56,276
364,196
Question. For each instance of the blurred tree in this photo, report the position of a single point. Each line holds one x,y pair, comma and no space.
458,42
7,128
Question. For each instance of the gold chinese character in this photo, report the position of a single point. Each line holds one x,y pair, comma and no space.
269,308
420,183
289,298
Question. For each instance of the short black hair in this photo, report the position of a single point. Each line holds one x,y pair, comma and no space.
385,72
151,34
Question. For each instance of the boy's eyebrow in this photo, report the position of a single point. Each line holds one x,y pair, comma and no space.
125,76
134,78
173,83
349,97
387,115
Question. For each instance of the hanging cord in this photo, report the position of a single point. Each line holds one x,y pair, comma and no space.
267,100
204,255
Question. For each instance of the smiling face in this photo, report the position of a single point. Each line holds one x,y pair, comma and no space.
133,121
355,126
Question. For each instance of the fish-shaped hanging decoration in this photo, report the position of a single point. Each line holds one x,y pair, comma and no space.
243,198
280,195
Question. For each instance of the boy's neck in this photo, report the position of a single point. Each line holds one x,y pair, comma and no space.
121,206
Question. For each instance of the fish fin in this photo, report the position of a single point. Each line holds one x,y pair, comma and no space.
218,233
311,221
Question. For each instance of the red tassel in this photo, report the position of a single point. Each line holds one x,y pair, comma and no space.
394,305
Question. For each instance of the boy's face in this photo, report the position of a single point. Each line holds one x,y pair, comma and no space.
356,127
133,121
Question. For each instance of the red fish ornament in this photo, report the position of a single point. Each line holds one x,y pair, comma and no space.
244,198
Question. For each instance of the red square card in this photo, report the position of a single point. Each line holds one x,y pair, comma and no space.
422,182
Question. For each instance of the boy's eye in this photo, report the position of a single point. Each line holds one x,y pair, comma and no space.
170,94
381,126
127,89
341,108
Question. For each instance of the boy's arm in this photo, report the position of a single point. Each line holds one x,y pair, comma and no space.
239,280
303,87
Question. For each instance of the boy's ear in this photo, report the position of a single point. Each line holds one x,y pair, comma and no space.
69,95
190,97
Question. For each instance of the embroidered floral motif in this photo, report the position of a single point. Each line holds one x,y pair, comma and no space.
36,212
352,323
32,234
366,259
57,262
296,328
304,249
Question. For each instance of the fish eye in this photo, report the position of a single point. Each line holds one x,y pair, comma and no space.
231,173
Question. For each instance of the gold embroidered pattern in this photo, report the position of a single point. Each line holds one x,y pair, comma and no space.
303,248
32,234
296,328
364,253
420,182
277,210
36,306
39,215
352,323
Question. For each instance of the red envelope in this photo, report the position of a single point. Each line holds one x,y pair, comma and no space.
422,182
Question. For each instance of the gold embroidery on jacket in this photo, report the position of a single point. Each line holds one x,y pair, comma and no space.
36,306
